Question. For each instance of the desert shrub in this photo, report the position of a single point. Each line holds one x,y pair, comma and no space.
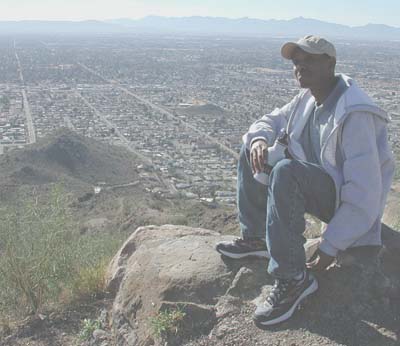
37,242
88,327
94,254
167,322
43,255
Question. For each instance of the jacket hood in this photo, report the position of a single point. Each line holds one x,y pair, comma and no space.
355,99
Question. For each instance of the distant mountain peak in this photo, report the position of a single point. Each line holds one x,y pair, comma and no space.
208,25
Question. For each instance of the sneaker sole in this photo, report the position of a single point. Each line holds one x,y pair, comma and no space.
263,254
311,289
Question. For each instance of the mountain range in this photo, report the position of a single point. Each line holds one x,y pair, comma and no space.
205,26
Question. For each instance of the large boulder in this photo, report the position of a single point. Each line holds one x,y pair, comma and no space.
167,268
171,285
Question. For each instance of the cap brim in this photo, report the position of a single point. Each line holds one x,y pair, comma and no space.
288,49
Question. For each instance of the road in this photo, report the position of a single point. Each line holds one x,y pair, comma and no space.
125,141
27,109
162,111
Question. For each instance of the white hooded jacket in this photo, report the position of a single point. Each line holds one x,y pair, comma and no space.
356,154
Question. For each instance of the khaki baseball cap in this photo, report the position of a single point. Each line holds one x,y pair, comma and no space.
310,44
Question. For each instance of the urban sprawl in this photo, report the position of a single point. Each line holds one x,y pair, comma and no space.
181,103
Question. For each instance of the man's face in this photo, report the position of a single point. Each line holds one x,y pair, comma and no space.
312,70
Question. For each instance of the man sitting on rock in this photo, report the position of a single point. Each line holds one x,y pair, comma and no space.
338,167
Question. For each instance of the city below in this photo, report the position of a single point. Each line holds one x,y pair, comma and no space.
180,103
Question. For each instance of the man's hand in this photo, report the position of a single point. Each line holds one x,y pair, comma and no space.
258,155
319,261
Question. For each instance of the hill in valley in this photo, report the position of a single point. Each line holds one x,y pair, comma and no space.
65,155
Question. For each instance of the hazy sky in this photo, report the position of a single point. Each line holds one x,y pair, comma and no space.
350,12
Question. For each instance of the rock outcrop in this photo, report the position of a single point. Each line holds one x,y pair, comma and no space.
170,286
175,268
164,269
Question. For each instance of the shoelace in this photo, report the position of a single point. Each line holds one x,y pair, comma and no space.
279,289
240,241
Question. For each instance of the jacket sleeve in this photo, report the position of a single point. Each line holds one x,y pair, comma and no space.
269,125
361,191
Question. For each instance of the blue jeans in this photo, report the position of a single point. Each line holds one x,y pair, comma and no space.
276,212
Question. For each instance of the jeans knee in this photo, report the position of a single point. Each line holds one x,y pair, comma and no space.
283,171
282,167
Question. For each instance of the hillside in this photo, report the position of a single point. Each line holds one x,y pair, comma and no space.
132,193
66,155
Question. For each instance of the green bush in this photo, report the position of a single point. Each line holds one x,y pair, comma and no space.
167,322
92,254
88,327
36,241
42,255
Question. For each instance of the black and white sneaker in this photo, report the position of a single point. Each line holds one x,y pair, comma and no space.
241,248
282,301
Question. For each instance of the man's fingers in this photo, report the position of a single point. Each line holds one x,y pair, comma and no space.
258,153
253,167
251,161
254,164
311,265
261,158
319,264
313,258
314,262
255,158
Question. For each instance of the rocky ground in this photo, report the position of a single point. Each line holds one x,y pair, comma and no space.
166,268
175,267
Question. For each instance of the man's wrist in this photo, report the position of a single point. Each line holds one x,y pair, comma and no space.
327,248
256,139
